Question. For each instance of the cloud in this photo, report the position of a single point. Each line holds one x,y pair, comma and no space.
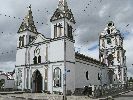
104,10
129,53
91,18
7,66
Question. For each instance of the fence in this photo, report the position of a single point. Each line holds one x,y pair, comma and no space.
99,91
95,91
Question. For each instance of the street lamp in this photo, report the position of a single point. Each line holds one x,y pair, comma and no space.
64,77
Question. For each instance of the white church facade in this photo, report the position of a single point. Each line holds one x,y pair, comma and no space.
51,64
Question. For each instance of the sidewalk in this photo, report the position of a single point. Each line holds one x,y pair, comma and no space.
42,96
113,96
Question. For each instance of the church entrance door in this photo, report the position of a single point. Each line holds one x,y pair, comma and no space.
36,82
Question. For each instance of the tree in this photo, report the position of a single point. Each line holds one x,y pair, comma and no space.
2,82
130,79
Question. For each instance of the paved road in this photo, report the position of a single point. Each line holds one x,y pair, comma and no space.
126,96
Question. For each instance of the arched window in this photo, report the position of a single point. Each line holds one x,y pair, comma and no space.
2,82
39,59
59,30
31,38
69,30
21,41
99,77
35,60
57,77
87,75
108,40
55,31
108,31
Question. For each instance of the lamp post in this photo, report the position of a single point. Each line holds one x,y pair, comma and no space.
64,76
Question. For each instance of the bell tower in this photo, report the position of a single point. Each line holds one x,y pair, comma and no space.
62,21
62,45
27,30
26,34
112,53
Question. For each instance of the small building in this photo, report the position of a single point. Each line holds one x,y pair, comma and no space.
8,81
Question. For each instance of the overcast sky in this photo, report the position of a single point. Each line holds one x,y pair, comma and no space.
91,18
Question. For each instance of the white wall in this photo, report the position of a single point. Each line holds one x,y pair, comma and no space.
56,51
52,66
20,57
8,83
80,74
70,76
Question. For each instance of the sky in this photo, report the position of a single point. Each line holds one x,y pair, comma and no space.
91,18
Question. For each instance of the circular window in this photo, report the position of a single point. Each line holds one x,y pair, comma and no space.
110,24
37,51
108,41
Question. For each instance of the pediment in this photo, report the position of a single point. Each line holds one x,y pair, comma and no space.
39,38
58,14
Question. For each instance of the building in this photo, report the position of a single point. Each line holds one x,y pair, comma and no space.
51,64
112,53
7,79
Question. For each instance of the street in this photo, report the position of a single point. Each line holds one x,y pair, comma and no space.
126,96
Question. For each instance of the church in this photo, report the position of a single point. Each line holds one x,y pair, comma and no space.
112,53
51,64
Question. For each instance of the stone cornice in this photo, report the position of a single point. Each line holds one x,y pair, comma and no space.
45,63
47,41
88,59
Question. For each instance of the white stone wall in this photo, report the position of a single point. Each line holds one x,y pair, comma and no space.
32,52
61,21
56,52
20,57
9,83
26,37
80,74
81,67
51,67
105,77
70,76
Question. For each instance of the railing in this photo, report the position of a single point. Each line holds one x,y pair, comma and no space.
96,91
99,91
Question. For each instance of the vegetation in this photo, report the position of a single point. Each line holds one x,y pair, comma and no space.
130,79
2,81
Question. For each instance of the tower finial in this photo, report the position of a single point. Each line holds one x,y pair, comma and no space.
28,23
30,7
62,5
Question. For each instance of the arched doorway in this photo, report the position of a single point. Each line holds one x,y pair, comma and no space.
36,82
